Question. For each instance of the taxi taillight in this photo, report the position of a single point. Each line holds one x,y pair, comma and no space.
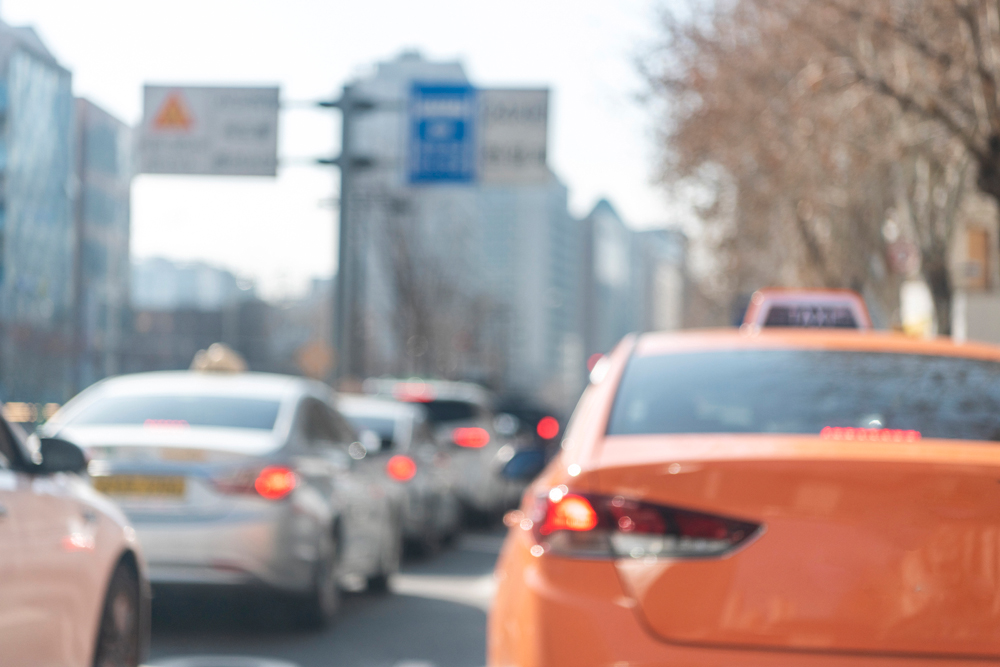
275,482
594,526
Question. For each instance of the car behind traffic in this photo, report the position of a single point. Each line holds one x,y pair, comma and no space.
462,420
405,454
237,479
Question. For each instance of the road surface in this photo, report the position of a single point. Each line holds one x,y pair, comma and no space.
434,616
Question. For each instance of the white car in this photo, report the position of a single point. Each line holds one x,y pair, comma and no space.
238,479
73,587
404,454
461,417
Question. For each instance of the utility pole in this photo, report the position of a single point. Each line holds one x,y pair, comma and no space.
348,298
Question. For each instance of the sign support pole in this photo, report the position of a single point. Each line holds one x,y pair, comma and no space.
347,306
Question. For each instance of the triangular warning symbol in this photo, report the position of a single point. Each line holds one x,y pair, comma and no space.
173,115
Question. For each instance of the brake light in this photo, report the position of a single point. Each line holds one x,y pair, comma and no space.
471,436
413,392
166,423
548,428
571,512
275,482
401,468
589,526
869,434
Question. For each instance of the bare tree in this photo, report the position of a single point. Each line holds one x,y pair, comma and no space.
815,155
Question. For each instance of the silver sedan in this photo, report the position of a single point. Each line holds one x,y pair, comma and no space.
238,479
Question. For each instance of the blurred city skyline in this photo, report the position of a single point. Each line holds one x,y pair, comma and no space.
600,134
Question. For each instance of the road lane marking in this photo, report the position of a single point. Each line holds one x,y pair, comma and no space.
472,591
221,661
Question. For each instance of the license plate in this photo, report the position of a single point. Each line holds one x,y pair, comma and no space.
140,485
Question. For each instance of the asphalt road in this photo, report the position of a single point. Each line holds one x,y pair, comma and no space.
434,616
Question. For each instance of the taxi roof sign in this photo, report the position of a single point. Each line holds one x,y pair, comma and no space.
826,308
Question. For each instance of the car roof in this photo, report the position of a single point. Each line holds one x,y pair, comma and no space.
353,404
250,385
701,340
437,390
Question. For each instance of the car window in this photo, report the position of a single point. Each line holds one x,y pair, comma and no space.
323,425
342,428
8,452
179,411
383,427
805,391
449,411
317,426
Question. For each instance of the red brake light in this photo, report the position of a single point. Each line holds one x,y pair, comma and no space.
548,428
275,482
471,436
413,392
571,512
166,423
869,434
401,468
586,526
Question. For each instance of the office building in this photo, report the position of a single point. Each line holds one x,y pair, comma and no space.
163,284
103,152
36,221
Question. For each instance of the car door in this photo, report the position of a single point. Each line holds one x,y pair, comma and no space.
11,617
41,572
436,461
370,513
328,463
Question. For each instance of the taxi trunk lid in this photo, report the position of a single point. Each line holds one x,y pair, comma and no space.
878,548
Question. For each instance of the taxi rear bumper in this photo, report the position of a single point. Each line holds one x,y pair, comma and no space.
559,612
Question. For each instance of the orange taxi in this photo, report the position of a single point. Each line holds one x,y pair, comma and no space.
765,496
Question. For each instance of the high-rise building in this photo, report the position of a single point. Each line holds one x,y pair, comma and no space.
631,281
607,280
103,152
163,284
660,278
36,220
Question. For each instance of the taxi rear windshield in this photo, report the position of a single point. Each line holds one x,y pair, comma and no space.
805,391
180,412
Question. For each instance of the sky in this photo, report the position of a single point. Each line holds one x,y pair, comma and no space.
281,232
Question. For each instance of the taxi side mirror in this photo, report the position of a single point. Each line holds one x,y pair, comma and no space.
60,455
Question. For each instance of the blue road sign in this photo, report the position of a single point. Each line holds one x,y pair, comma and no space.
442,146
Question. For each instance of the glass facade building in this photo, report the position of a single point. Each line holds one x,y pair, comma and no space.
103,152
36,221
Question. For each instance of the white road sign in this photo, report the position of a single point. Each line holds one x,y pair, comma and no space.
213,131
513,136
